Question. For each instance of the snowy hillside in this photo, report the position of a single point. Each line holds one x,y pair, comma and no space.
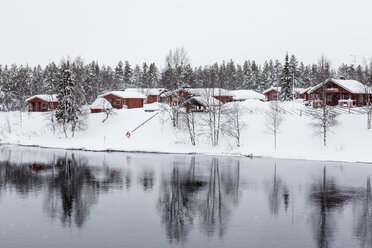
349,141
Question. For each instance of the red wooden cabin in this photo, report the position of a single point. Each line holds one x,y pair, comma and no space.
123,99
339,90
152,94
42,103
272,93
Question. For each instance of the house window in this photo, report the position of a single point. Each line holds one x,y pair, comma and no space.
44,105
329,98
275,96
117,102
311,96
124,102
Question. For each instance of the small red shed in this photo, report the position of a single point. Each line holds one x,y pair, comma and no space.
99,105
42,103
272,93
125,99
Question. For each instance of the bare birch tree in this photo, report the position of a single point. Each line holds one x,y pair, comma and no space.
274,119
324,118
214,114
233,124
189,122
368,92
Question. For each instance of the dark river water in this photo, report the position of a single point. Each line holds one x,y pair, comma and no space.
56,198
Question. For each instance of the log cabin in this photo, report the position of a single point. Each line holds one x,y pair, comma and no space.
124,99
342,92
42,103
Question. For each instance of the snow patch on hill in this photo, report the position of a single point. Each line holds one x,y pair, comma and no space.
349,141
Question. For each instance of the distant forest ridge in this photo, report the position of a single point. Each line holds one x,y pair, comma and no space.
17,82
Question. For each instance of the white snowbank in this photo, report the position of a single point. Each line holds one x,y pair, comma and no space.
349,141
101,103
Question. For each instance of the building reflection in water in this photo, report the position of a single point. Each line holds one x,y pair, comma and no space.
190,195
277,192
72,186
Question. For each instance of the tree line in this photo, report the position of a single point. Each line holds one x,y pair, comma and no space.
17,82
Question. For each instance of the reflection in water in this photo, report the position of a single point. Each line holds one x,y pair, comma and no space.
146,179
363,230
327,197
278,191
185,196
72,186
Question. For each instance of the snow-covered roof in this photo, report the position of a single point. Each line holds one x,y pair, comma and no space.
272,88
46,98
246,94
101,103
208,91
147,91
352,86
205,101
125,94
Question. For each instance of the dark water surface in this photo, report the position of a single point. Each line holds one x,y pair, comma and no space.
54,198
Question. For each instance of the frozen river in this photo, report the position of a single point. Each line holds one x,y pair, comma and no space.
56,198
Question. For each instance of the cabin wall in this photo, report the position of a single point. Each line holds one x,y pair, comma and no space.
272,95
39,105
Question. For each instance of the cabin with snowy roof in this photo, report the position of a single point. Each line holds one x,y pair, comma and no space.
152,94
179,96
340,92
100,105
272,93
125,99
42,103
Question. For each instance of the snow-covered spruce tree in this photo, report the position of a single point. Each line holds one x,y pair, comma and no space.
128,74
119,75
286,82
325,118
69,112
274,119
21,83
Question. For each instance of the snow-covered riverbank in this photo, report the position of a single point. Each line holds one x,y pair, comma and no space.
349,141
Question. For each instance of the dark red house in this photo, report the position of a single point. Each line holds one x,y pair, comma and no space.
341,92
152,94
125,99
272,93
42,103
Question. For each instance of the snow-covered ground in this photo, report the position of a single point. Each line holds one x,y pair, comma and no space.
349,141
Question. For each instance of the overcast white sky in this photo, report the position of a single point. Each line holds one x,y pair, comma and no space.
41,31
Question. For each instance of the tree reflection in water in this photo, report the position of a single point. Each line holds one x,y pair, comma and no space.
189,194
327,197
278,190
363,230
72,186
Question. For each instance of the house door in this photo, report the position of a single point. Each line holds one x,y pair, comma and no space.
37,107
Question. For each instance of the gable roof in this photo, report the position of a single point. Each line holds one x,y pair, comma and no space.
46,98
352,86
246,94
147,91
208,91
125,94
272,88
101,103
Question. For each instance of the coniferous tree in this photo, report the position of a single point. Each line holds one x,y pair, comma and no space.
128,74
286,82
